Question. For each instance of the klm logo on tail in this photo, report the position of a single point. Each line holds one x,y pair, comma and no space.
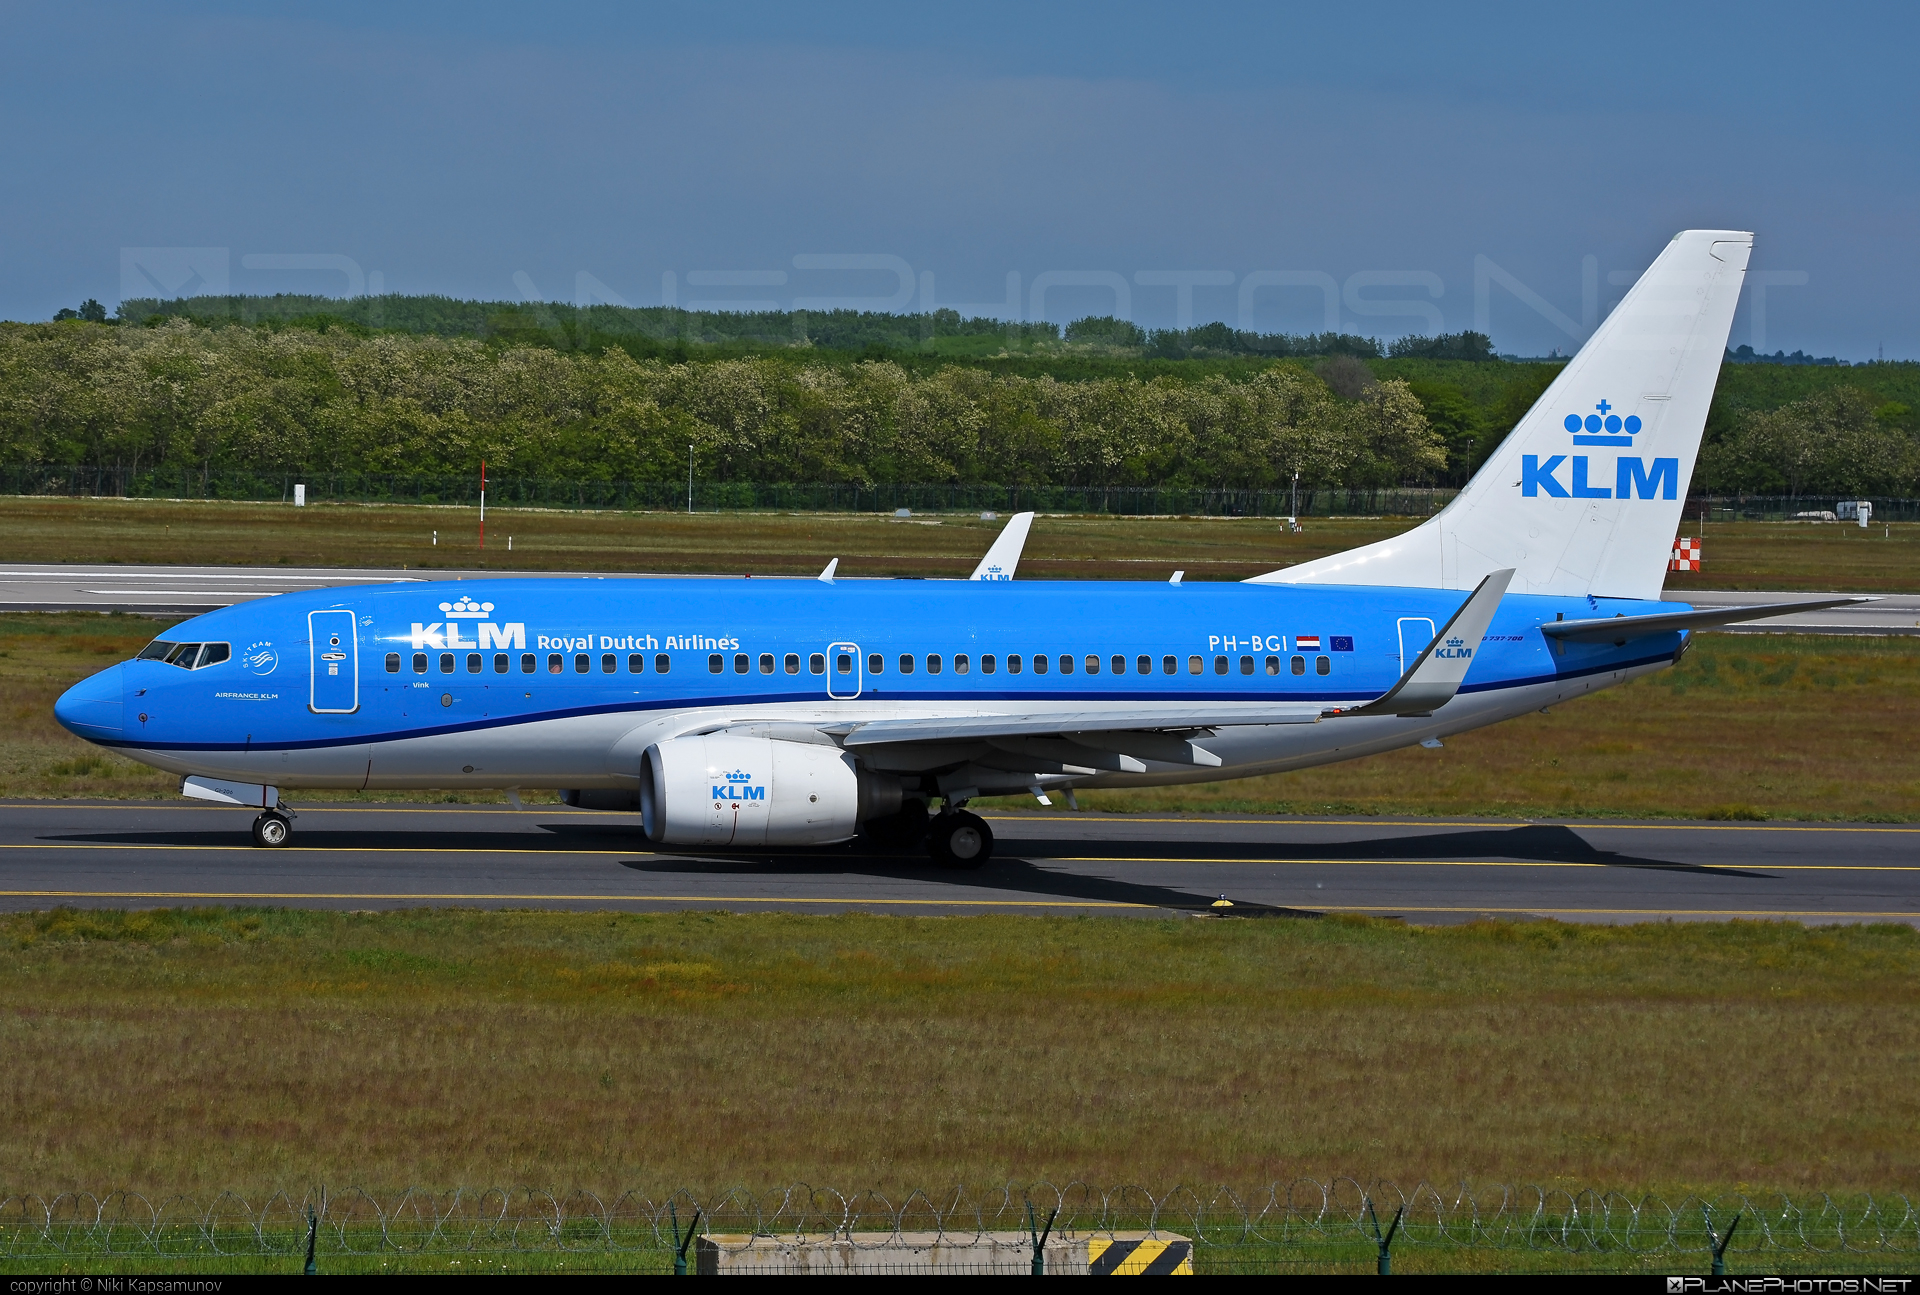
1632,478
1619,432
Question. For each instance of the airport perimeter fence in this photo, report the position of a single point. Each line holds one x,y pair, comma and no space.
743,496
1299,1226
1787,508
837,497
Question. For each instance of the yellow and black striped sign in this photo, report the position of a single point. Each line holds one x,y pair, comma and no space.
1141,1257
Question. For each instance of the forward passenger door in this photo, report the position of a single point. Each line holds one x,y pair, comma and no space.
333,658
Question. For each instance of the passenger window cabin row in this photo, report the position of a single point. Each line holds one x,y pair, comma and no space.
1092,663
556,663
816,663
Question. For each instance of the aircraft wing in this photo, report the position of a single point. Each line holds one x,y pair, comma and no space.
1120,738
1117,719
1620,629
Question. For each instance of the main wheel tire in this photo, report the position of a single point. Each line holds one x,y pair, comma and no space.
960,840
272,830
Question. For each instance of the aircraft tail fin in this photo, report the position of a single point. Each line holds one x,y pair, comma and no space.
1004,556
1585,494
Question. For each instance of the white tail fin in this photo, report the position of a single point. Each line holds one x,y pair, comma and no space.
1584,495
1004,556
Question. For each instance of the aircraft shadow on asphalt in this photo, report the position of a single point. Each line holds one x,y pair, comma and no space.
1017,867
1532,843
1528,843
1002,874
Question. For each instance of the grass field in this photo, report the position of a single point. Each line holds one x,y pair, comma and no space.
1747,726
1745,555
194,1051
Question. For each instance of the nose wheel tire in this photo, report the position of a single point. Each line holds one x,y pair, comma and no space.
272,830
959,840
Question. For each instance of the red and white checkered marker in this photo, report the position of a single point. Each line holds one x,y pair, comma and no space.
1686,555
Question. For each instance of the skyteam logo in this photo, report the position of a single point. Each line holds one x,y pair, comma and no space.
259,658
1605,428
739,787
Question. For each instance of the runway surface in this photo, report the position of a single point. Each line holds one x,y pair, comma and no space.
185,590
141,855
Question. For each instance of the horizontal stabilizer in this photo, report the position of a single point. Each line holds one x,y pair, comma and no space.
1436,674
1004,556
1619,629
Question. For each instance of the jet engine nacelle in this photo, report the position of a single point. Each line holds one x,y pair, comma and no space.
721,789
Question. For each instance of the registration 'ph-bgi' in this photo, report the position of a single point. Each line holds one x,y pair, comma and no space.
800,712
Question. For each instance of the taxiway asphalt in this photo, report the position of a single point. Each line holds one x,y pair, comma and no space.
146,854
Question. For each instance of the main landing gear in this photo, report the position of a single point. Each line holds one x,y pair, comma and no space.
959,839
272,829
954,837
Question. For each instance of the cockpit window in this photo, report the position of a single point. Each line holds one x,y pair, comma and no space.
188,656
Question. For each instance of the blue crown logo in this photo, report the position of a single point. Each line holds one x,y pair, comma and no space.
1603,428
737,776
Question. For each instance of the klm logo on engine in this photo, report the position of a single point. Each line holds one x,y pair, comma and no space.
1454,650
739,786
446,635
1632,477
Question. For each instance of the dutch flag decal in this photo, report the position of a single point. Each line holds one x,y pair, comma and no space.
1306,643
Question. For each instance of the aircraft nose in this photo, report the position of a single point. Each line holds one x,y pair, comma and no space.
91,708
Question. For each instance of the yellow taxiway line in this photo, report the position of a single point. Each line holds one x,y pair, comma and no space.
571,852
1496,824
1639,912
1110,821
922,903
1506,863
549,898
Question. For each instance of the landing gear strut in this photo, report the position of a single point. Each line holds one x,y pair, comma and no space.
959,839
898,831
272,829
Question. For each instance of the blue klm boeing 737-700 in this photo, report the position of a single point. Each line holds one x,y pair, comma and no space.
802,712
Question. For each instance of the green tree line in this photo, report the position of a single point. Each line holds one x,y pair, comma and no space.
182,395
431,385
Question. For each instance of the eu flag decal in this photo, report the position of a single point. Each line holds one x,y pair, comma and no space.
1343,642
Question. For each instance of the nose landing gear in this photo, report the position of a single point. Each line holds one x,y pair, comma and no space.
272,829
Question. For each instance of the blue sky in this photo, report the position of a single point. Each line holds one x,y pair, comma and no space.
1375,166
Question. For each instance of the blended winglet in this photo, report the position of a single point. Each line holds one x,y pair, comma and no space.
826,576
1436,674
1004,556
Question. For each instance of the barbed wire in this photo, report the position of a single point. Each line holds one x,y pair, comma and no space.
1301,1212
